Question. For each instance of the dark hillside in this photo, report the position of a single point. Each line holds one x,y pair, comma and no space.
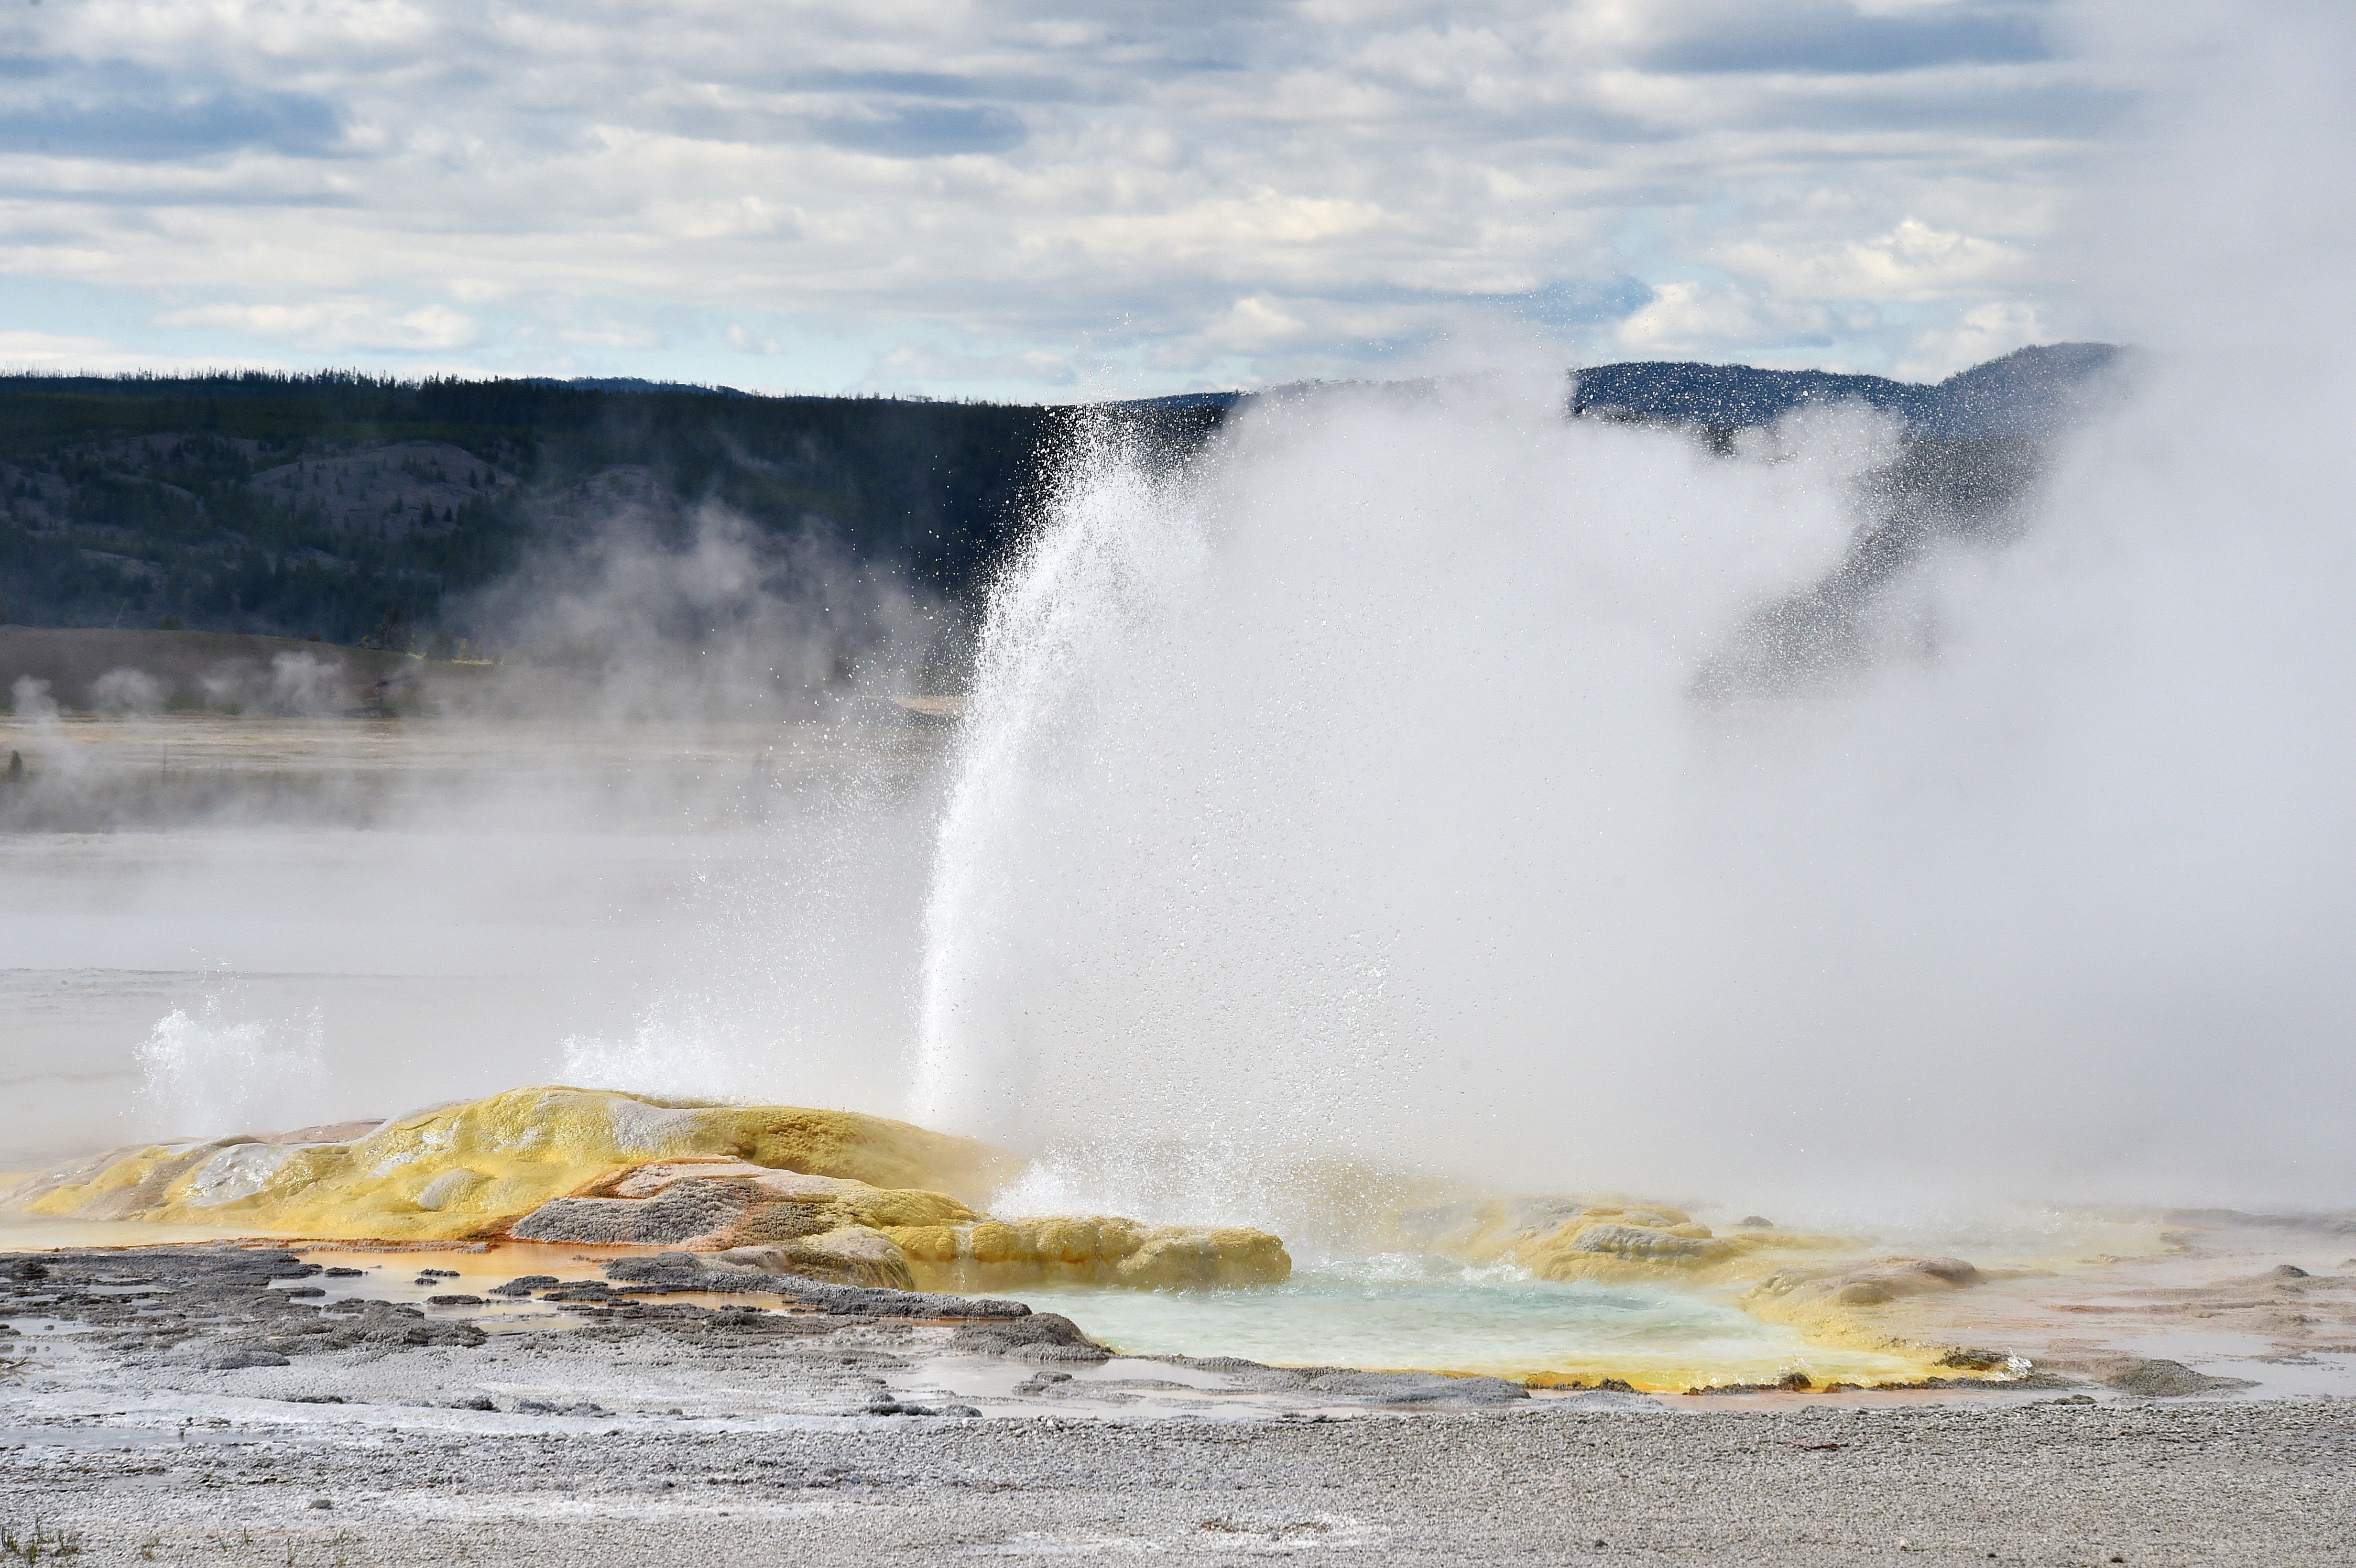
351,507
2032,392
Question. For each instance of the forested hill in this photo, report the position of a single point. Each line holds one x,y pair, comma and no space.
353,508
359,511
2028,392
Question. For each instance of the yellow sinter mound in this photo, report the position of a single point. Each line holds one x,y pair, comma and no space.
829,1193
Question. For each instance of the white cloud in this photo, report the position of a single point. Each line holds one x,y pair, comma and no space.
60,354
336,324
1692,319
914,368
1909,261
1984,332
609,335
1252,325
53,351
1105,184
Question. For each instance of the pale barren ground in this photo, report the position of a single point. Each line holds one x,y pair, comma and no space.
2264,1483
147,1417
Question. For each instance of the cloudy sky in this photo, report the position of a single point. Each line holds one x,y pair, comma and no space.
1051,200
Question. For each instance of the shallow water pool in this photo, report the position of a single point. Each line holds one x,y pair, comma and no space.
1410,1314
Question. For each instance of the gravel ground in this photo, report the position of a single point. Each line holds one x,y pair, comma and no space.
2257,1483
181,1406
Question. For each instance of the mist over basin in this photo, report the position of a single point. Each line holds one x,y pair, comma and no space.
380,914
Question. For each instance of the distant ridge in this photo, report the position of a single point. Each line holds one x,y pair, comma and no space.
634,384
1180,403
2027,391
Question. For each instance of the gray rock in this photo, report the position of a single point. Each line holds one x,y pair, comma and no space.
1965,1358
668,1273
1035,1336
679,1212
237,1360
2167,1379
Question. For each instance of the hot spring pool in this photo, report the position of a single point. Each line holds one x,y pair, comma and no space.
1399,1314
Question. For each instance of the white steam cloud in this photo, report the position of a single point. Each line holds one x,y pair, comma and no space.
703,616
1355,795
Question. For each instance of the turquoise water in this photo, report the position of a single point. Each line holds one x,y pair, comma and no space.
1410,1314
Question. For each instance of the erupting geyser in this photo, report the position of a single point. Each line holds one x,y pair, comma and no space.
1374,786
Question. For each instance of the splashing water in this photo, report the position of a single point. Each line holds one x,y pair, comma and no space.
209,1073
676,1048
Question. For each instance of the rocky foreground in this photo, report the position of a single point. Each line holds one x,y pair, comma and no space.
246,1404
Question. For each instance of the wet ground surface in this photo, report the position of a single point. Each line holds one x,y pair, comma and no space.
2265,1300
